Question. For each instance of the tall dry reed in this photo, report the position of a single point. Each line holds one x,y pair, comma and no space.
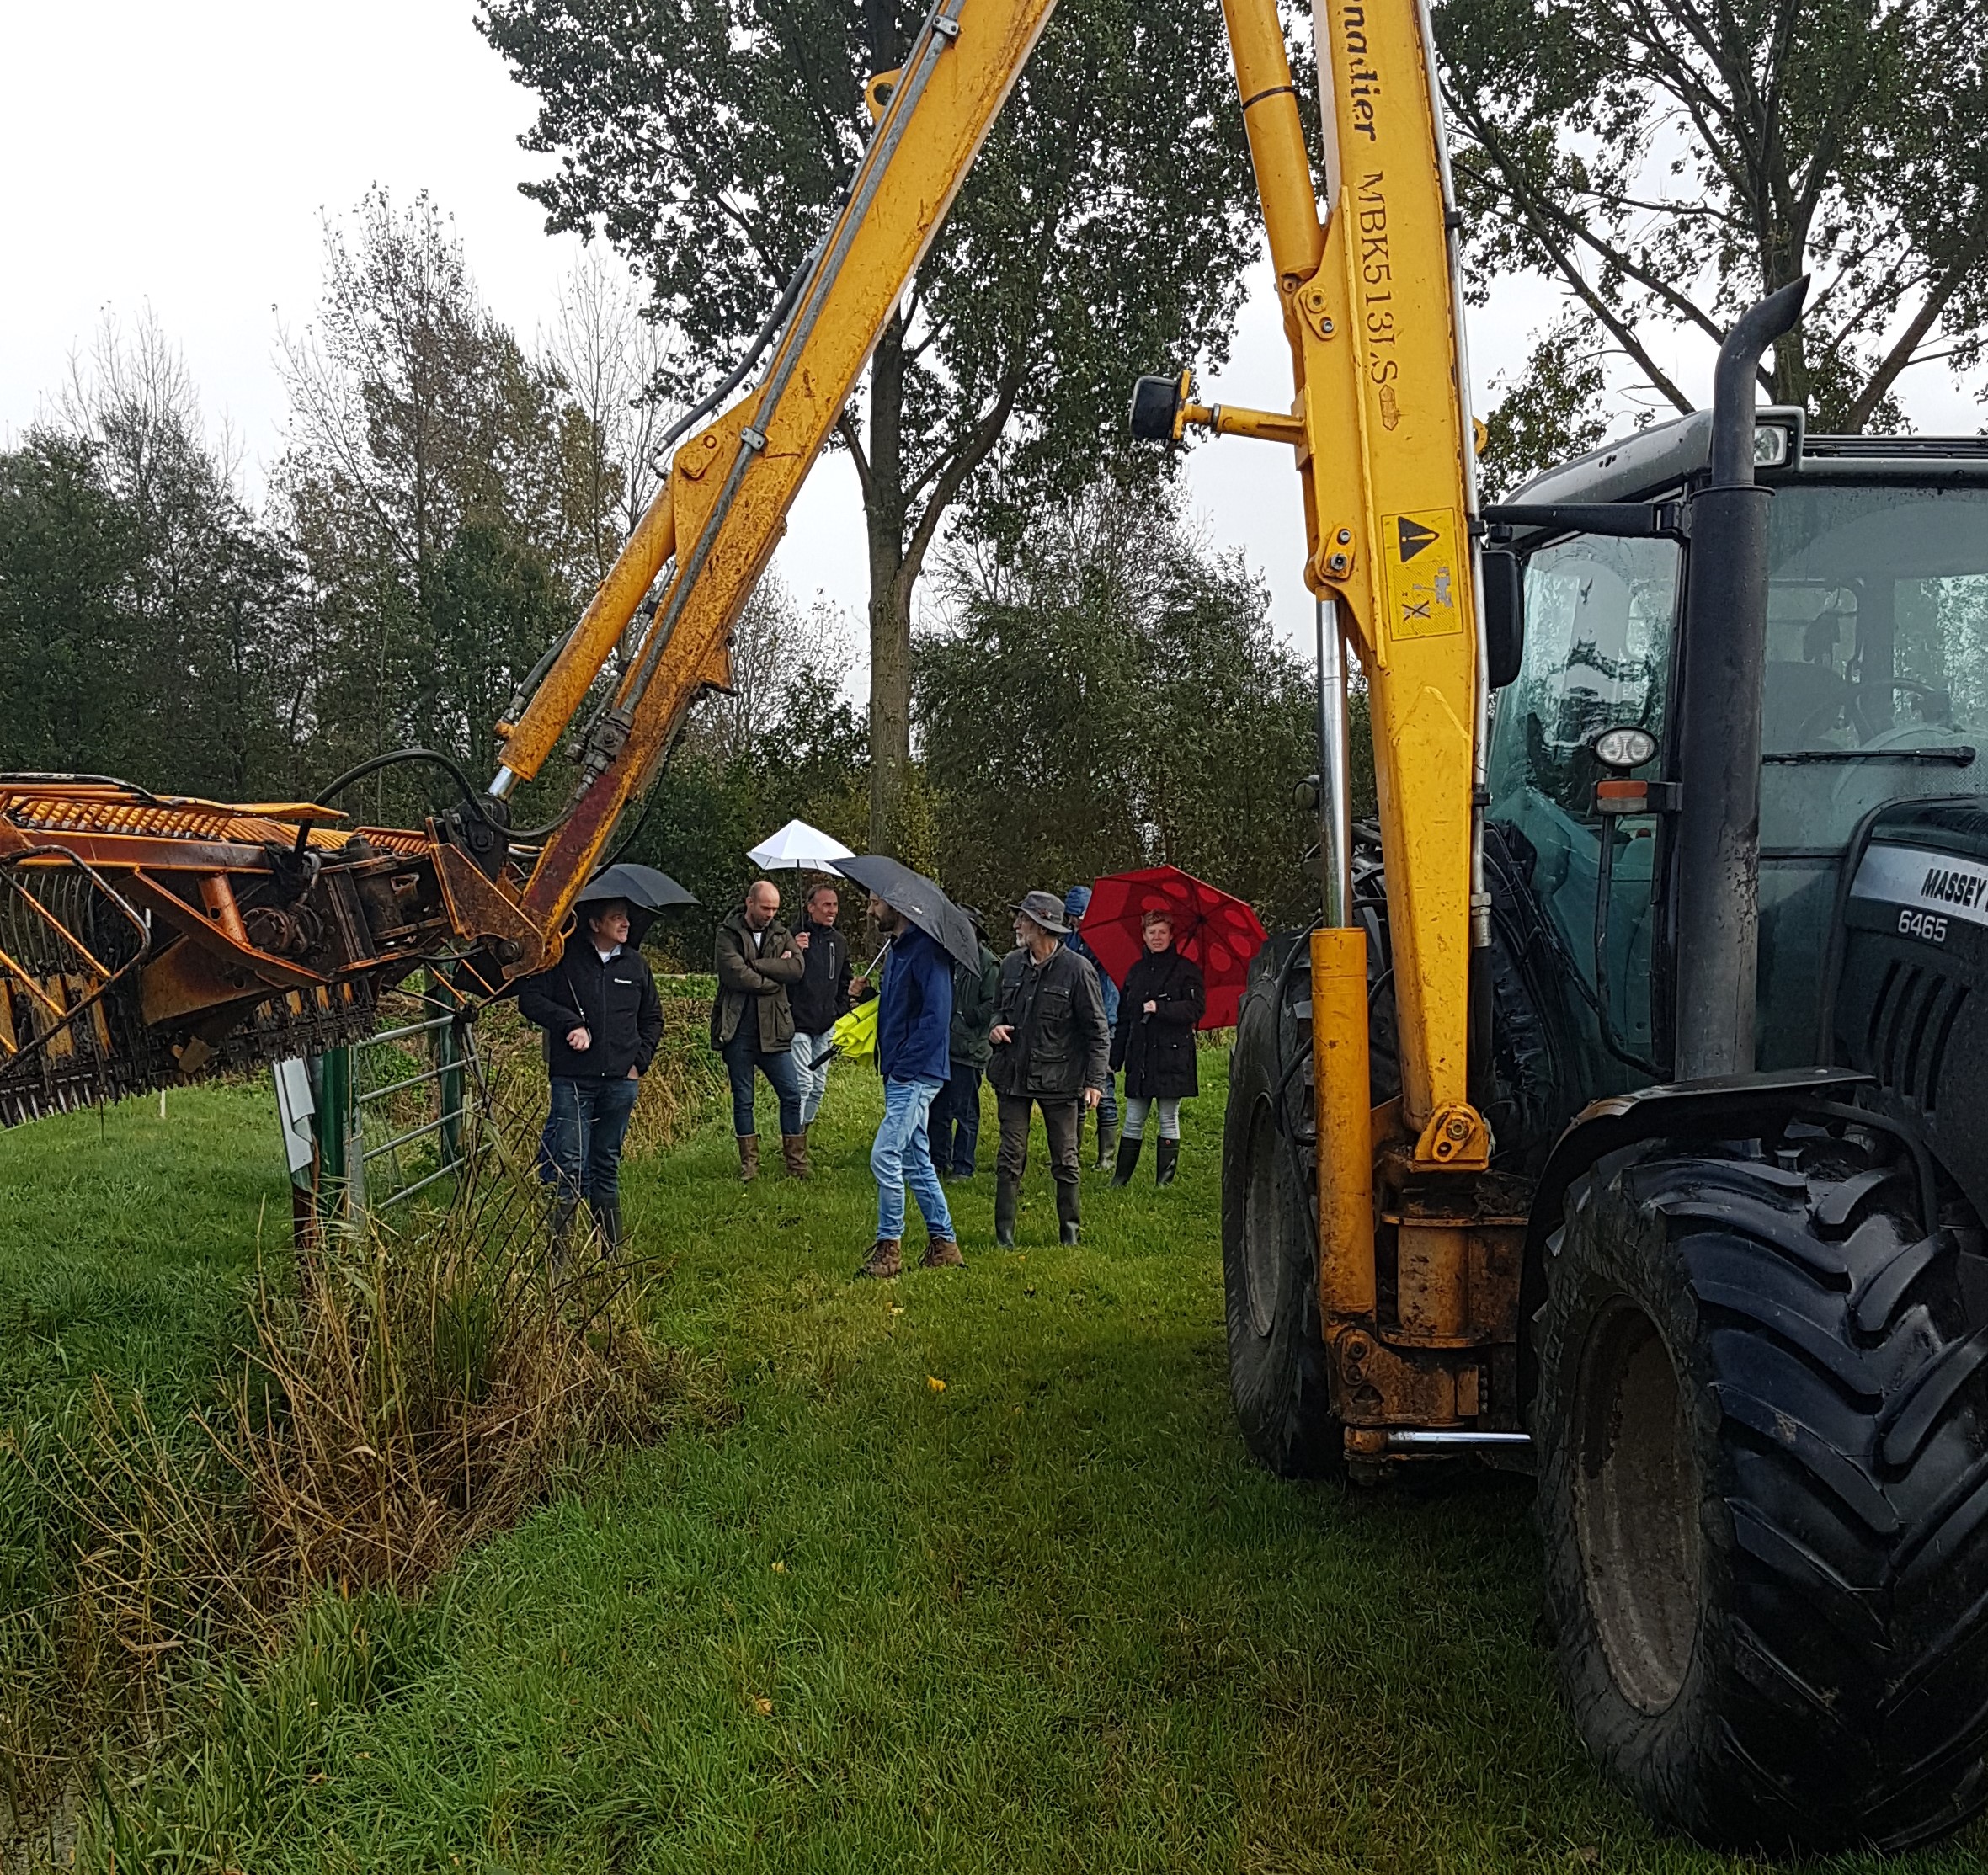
403,1393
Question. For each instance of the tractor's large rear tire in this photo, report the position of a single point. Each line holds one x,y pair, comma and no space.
1761,1426
1270,1256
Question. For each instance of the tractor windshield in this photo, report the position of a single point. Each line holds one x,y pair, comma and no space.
1877,691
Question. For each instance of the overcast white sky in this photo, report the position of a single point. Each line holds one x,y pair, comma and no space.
180,157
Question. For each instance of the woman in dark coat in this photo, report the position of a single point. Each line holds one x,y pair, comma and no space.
1160,1008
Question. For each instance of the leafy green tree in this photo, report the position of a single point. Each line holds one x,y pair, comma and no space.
446,494
67,651
1667,161
149,625
1112,695
1104,231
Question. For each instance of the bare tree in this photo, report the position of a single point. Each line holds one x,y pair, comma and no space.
616,363
430,484
1665,161
775,643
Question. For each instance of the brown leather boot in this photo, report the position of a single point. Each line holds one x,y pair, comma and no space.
748,1157
793,1148
887,1258
942,1254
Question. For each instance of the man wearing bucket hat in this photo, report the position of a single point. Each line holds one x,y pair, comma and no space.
1051,1045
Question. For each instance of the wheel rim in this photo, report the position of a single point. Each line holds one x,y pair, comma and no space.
1636,1507
1262,1245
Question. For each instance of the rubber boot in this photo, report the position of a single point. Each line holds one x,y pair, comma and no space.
1067,1208
1128,1159
793,1148
1107,1138
1166,1158
748,1157
1007,1202
565,1208
607,1219
887,1258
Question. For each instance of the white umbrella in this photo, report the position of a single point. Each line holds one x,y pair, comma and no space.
798,847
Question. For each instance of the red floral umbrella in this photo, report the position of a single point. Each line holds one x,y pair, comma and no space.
1212,928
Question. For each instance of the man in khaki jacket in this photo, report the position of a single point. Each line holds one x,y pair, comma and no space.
753,1028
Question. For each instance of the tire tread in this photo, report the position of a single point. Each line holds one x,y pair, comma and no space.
1848,1430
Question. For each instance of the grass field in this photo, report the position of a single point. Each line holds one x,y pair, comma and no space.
1046,1616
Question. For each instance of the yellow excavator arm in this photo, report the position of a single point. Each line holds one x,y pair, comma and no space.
1382,439
1371,314
724,505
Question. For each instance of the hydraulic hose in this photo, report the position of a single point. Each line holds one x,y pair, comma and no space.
392,759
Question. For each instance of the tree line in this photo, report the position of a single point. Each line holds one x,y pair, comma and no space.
449,494
1097,687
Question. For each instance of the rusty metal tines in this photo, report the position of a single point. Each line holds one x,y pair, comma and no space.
56,963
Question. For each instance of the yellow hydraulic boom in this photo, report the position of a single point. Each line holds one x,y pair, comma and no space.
1371,314
725,504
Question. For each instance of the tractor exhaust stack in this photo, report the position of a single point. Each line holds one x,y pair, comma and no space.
1717,865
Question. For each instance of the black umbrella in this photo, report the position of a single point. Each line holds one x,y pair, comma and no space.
646,892
919,899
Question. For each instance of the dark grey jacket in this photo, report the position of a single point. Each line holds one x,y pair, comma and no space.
1061,1043
974,988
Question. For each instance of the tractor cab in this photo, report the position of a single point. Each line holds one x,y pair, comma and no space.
1874,695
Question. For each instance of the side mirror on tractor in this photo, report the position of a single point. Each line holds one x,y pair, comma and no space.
1156,404
1505,614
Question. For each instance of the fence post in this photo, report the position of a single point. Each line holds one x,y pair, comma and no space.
448,1061
338,1177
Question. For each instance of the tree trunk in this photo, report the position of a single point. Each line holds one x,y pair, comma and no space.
890,595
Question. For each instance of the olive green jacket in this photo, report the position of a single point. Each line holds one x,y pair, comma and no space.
753,983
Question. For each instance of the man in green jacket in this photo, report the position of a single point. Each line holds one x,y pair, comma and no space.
956,1113
752,1026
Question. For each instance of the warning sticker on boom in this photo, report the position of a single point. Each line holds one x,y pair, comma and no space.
1420,563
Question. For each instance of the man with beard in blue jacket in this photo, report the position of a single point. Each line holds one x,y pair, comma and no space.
913,1035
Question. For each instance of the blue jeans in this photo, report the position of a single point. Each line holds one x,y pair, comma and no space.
589,1122
1107,1111
955,1120
902,1155
742,1055
1137,1110
811,1055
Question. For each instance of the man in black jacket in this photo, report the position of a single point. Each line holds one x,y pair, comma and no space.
821,999
1050,1050
603,1019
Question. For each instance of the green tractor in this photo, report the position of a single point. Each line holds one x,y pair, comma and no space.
1733,1010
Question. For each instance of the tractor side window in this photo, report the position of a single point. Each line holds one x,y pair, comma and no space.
1599,618
1876,689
